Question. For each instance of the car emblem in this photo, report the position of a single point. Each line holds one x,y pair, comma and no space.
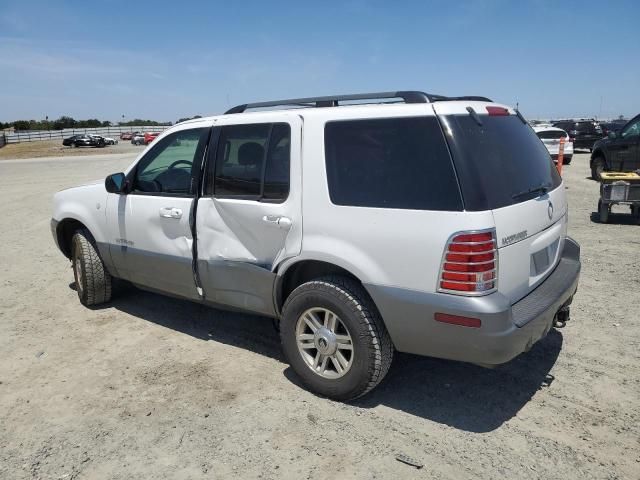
550,210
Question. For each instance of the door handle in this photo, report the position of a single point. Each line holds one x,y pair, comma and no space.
282,222
170,212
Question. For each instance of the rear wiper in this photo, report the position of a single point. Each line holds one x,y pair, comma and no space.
541,189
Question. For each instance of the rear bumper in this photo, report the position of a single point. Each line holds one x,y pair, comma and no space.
507,330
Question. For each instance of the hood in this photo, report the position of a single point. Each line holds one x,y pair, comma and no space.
87,184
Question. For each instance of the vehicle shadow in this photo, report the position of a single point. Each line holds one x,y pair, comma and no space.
463,396
241,330
615,219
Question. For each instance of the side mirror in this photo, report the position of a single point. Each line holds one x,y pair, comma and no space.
612,134
116,183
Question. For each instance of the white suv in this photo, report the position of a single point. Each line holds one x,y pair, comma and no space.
363,223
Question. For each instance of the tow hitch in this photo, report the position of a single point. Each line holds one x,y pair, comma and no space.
561,318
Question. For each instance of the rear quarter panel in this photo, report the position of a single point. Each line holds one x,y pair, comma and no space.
381,246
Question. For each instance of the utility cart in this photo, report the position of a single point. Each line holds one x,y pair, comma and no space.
619,188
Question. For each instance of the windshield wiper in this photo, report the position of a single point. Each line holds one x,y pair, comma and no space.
541,189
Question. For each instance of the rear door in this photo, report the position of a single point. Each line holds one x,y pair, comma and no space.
503,167
249,218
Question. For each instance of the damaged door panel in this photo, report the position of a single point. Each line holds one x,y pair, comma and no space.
249,219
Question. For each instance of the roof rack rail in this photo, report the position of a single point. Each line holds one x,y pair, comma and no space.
333,100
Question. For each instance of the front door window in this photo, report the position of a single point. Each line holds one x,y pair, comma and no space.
167,168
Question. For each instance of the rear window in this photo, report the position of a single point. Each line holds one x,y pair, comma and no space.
390,163
498,161
551,134
586,127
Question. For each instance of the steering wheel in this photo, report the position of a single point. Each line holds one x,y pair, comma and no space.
178,162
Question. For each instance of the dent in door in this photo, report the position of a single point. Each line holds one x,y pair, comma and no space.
239,284
236,252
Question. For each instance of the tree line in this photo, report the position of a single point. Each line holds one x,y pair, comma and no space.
69,122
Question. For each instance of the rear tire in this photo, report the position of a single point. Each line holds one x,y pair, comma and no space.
355,317
597,167
567,160
93,281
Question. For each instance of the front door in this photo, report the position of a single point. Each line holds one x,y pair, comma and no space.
249,218
150,230
624,151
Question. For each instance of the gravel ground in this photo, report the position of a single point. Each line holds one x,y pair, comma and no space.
153,387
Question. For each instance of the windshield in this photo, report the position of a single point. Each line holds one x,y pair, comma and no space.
498,160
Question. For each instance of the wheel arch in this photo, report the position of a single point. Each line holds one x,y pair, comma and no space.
64,233
597,153
292,275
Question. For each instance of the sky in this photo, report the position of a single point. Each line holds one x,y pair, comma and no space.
166,60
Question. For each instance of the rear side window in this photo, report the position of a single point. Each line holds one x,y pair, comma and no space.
390,163
498,161
252,161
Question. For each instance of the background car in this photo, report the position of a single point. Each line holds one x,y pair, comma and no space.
612,126
126,135
583,132
137,139
619,152
69,141
150,137
551,136
105,140
84,141
109,140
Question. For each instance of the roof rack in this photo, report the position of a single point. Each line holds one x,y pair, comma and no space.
333,100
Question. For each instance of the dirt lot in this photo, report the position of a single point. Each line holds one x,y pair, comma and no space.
54,148
152,387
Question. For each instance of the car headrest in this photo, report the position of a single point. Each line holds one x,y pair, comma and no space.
250,154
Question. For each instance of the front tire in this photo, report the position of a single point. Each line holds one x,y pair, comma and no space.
93,281
334,338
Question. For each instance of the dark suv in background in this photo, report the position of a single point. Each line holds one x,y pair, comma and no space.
619,152
584,132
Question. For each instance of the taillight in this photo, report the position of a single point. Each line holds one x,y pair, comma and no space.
470,264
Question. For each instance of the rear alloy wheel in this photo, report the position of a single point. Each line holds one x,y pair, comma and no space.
597,167
334,338
324,342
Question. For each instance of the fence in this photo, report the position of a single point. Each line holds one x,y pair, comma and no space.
36,135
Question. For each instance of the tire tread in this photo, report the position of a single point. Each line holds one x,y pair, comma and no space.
98,282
